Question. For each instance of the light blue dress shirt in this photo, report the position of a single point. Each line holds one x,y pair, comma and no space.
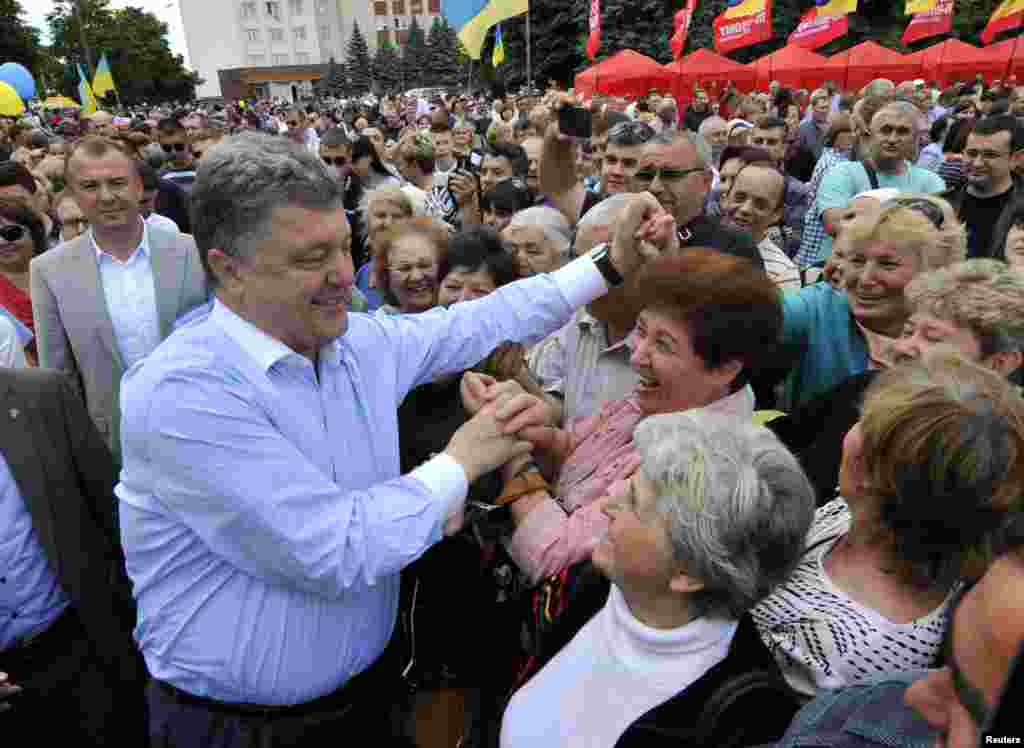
263,514
30,597
130,291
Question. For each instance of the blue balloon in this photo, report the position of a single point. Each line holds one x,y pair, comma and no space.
19,79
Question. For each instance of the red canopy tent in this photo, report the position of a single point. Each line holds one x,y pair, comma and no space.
858,66
1002,52
792,66
627,73
710,70
952,61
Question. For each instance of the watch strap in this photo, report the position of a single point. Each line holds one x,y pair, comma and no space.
601,255
521,485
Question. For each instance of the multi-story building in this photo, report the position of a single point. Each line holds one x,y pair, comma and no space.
280,47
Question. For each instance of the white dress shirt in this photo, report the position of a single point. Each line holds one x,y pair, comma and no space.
12,351
130,291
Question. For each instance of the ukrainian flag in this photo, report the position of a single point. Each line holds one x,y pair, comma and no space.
474,18
103,81
1009,15
85,93
499,48
920,6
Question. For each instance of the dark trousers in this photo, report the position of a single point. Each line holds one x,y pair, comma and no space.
69,697
358,712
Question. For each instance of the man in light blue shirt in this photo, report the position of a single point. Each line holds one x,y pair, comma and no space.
894,131
264,518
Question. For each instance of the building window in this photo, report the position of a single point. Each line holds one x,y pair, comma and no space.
302,58
280,59
257,60
274,10
380,8
249,9
416,7
435,6
277,35
325,33
252,35
398,23
398,7
300,33
296,7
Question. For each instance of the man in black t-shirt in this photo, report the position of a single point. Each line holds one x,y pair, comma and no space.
993,148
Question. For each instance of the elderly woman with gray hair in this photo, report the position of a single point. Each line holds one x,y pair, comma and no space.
712,521
539,239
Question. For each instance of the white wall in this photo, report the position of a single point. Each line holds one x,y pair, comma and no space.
213,34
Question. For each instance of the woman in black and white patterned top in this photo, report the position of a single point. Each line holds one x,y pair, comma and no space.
928,475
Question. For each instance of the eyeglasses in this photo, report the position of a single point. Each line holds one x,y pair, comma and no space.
647,176
179,147
12,233
337,160
926,208
639,130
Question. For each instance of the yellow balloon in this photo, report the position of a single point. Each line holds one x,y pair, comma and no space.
11,104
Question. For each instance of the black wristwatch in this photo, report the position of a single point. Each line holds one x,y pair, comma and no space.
602,258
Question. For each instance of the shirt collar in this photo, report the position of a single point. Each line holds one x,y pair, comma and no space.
265,350
589,322
143,245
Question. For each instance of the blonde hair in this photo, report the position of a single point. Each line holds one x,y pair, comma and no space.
943,446
388,193
905,230
422,226
984,296
953,234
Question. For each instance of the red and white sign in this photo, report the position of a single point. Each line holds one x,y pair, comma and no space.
743,31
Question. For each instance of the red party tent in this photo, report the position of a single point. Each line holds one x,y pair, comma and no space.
858,66
1002,52
627,73
792,66
952,61
710,70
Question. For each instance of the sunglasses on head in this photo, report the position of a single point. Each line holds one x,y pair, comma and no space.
336,161
179,147
12,233
926,208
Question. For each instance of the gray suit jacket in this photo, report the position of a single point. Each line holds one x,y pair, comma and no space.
74,331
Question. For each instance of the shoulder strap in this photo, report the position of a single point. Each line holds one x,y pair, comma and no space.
872,174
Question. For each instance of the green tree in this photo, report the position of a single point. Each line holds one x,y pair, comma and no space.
19,42
442,55
414,56
387,68
141,61
334,82
358,65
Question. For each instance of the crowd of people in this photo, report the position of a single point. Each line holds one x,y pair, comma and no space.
425,420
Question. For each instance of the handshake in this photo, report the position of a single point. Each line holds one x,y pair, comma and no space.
507,424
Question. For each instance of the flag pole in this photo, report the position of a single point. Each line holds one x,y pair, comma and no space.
529,56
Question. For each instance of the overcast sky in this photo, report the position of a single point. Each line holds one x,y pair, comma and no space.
166,10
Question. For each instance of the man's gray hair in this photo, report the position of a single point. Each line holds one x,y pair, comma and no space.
556,228
710,122
904,109
879,87
699,144
242,179
736,503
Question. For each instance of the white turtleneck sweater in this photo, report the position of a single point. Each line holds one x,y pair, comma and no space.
613,672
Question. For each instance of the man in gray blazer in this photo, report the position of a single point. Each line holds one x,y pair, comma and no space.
105,300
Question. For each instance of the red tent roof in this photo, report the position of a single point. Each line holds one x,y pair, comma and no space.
627,73
858,66
1003,51
792,66
706,68
953,60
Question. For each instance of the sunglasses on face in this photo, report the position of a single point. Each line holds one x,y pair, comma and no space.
179,147
12,233
336,161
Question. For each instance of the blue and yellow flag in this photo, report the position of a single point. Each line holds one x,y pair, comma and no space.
85,94
499,48
103,81
474,18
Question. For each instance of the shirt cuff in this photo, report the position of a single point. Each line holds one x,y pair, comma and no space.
446,480
580,281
